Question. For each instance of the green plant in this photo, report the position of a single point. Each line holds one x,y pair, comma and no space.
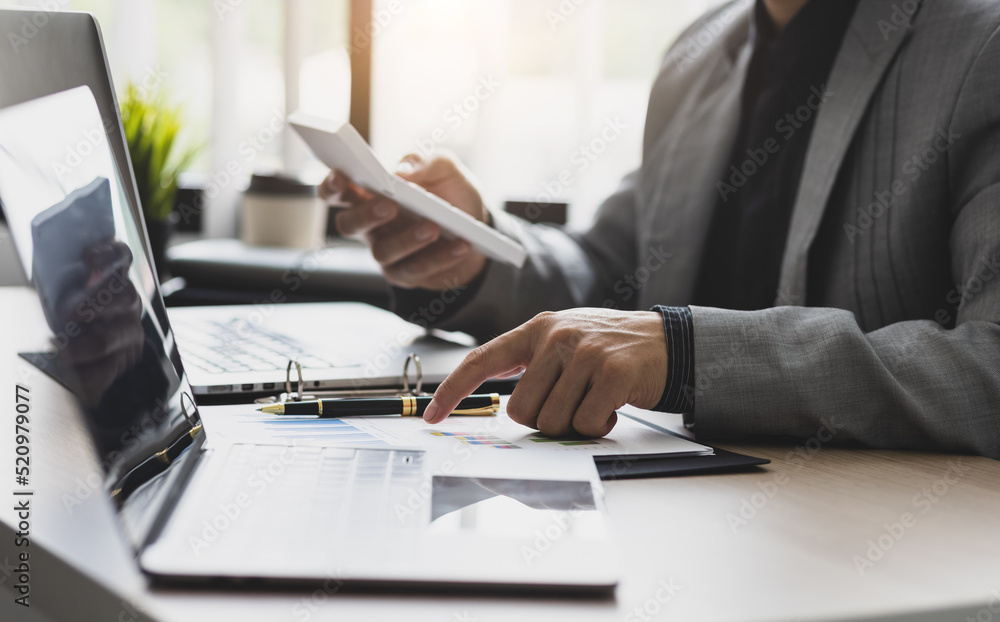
151,128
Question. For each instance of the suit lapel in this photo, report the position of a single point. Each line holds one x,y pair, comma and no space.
876,33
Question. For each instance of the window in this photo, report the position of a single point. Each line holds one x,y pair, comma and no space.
225,62
542,99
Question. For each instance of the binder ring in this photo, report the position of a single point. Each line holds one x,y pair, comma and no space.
299,385
419,375
299,394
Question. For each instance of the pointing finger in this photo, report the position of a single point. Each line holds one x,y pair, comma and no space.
506,352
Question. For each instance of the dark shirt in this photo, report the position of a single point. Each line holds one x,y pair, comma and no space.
782,93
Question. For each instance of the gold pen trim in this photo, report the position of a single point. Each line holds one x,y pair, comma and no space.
484,411
319,407
409,405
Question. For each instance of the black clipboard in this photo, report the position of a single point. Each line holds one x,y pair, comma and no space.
665,465
668,465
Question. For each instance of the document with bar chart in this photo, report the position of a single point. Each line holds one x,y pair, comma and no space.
244,424
501,433
498,433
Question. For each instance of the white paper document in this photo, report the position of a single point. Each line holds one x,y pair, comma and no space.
339,146
480,446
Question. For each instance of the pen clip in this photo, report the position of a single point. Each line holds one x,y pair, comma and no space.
492,409
483,412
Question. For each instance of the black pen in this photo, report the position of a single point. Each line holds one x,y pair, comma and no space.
405,405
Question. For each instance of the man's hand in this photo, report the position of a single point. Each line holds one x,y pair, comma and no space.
409,248
579,366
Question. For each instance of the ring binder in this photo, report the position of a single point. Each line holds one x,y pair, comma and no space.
300,394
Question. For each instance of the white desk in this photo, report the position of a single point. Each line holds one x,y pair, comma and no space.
793,560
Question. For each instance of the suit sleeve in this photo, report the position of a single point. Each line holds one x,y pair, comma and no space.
915,384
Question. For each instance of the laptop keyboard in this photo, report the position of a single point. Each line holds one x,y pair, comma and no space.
287,504
237,346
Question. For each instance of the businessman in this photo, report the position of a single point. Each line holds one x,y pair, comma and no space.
812,241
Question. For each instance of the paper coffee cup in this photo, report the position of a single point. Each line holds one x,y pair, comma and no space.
283,211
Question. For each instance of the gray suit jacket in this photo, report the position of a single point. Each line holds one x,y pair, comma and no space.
896,344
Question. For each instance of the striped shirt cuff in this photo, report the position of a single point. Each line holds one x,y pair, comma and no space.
678,394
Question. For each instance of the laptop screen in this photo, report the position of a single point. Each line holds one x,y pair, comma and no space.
110,342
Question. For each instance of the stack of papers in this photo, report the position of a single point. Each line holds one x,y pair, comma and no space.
471,446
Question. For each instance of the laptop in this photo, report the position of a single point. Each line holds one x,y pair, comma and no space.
363,511
259,339
234,349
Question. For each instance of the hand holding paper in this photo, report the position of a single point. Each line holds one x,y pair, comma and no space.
437,239
412,251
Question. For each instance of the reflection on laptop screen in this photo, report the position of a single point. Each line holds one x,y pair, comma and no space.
75,233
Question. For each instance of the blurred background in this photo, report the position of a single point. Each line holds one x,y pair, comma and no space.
558,71
522,91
